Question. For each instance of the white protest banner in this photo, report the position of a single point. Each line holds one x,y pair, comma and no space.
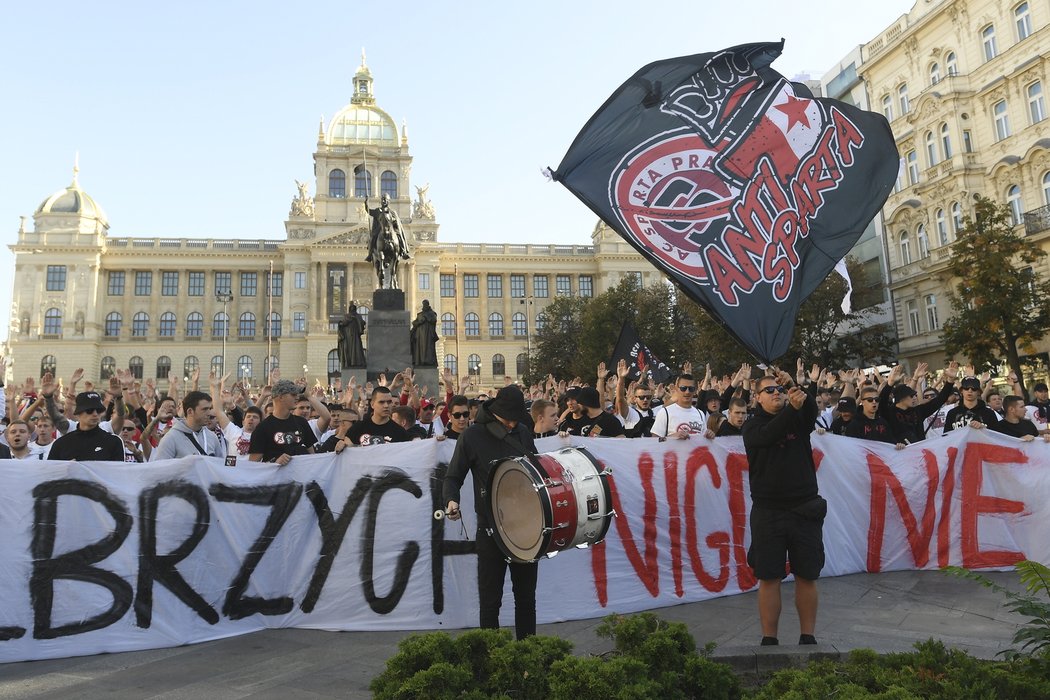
104,557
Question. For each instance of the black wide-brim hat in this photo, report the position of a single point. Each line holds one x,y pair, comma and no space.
509,404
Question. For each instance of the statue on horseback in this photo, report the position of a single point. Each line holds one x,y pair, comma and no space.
387,246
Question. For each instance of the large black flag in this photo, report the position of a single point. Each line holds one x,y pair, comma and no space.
740,185
641,361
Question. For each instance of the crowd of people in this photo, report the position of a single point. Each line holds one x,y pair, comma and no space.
283,418
773,411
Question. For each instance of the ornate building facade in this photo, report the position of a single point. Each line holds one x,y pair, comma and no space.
86,298
963,84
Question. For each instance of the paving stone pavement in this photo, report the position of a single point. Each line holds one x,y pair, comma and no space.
885,612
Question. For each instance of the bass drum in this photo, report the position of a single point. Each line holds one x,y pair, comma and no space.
547,503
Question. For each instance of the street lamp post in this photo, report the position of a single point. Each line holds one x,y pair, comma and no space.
225,296
527,302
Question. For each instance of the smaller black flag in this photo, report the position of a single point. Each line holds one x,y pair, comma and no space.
642,362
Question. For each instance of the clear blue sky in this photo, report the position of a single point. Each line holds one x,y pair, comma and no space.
193,119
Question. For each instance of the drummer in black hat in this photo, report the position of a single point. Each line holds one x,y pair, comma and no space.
89,442
502,430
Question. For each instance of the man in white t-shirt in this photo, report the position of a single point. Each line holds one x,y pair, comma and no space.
681,418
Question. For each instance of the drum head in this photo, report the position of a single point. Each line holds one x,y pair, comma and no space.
517,512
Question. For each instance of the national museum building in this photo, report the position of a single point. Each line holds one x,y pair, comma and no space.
85,298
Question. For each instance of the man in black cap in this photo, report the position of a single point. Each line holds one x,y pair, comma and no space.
595,421
971,410
89,442
847,408
502,430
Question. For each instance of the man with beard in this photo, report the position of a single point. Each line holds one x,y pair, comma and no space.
905,418
378,428
971,410
597,422
501,431
88,442
787,513
638,417
869,425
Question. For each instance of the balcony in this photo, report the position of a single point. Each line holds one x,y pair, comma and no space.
1037,220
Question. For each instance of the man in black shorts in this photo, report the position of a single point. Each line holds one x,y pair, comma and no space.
787,514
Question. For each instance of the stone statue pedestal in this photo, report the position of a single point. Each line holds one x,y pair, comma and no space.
389,347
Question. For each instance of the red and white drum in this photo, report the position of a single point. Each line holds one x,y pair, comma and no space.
549,503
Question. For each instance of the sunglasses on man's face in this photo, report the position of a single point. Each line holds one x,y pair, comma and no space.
869,399
684,388
644,398
774,390
459,415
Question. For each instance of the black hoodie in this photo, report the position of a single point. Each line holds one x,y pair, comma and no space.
779,455
482,443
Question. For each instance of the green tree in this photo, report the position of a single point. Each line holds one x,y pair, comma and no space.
997,311
554,350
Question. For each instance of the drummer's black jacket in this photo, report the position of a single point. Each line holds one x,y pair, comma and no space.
486,441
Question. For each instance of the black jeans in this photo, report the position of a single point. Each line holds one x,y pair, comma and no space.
492,572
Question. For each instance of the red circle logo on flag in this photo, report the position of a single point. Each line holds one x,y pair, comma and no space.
667,197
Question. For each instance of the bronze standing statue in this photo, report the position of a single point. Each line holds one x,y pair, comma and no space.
425,337
351,328
387,246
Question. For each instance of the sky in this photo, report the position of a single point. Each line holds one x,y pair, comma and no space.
194,119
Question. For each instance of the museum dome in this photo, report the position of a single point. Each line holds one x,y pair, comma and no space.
361,122
73,200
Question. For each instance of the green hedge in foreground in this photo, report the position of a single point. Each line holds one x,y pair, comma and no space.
657,659
652,659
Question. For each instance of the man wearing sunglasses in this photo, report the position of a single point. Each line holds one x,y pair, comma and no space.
458,418
787,513
638,416
89,442
869,425
971,410
680,419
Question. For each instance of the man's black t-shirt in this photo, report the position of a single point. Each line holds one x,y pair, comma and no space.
727,429
604,424
365,432
275,437
572,425
450,434
1018,430
839,426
